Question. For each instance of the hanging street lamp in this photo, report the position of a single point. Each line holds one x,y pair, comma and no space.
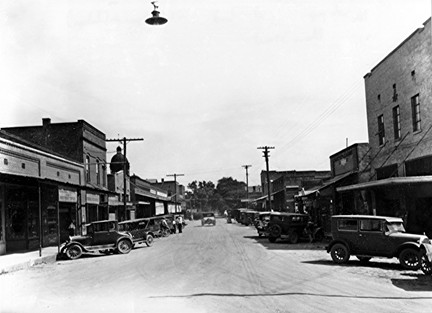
156,19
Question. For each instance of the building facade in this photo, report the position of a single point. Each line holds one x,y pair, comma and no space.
285,184
399,114
82,143
39,195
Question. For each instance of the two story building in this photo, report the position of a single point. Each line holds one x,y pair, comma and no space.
399,114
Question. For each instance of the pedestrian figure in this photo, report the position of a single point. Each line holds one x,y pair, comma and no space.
180,223
71,229
174,228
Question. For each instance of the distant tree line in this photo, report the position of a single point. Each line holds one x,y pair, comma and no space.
204,196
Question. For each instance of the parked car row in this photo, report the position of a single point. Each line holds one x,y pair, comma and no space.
362,236
111,236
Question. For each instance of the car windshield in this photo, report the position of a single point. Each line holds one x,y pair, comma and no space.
395,227
208,214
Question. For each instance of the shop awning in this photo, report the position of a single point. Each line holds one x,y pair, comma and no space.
388,182
326,184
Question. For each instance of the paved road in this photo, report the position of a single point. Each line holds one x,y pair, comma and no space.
225,268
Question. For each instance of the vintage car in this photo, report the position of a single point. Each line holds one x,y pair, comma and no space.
261,223
102,236
208,218
289,226
367,236
139,229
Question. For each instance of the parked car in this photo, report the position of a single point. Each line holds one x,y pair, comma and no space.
139,229
261,223
249,217
208,218
102,236
291,226
367,236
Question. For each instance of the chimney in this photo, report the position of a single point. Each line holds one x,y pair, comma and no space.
46,121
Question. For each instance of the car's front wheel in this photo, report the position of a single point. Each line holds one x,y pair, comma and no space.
409,258
149,240
124,246
339,253
74,252
425,264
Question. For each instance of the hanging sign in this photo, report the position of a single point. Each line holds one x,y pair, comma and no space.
67,196
92,198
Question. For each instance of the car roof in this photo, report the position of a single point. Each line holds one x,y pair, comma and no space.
262,213
136,220
287,214
374,217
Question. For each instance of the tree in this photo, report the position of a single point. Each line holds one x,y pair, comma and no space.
232,191
203,196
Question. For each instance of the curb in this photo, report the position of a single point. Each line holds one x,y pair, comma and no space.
25,265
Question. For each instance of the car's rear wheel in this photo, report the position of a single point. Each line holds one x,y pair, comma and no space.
425,264
339,253
319,236
409,258
149,240
275,231
293,237
74,252
272,239
124,246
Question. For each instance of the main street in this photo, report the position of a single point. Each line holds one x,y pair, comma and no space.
225,268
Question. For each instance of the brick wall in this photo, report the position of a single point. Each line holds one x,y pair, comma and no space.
409,67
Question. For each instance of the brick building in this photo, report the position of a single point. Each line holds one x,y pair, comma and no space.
285,184
83,143
399,114
39,195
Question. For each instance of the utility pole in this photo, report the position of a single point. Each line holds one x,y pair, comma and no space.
175,186
247,185
266,156
124,140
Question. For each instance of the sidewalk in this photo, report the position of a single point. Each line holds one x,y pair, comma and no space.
12,262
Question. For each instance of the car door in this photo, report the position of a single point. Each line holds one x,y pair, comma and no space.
105,234
373,240
347,230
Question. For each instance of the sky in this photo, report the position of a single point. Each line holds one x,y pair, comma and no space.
207,89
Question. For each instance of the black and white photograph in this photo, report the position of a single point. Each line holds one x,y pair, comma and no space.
215,156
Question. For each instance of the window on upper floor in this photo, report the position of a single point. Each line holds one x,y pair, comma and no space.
87,168
104,182
98,180
396,123
381,130
415,108
395,95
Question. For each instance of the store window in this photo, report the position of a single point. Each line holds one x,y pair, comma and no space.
49,215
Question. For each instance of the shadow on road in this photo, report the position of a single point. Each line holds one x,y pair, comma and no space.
355,263
285,294
414,282
285,245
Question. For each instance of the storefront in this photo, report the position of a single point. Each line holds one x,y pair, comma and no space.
407,197
69,219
